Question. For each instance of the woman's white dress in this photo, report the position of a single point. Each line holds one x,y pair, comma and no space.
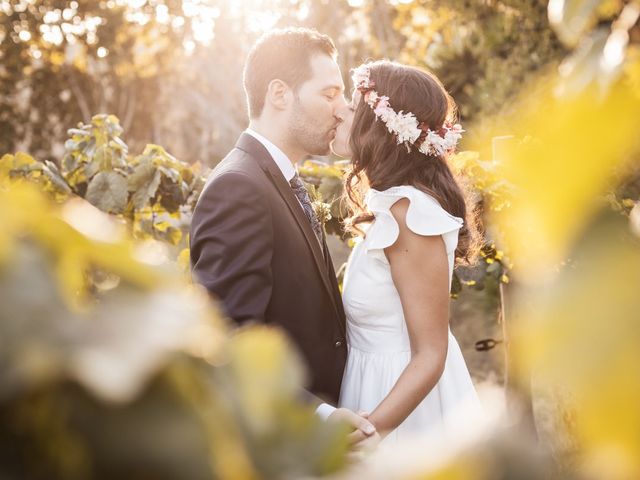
376,330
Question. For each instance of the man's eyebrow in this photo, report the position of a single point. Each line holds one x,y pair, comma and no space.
339,88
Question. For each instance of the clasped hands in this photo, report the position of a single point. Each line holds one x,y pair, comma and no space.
364,436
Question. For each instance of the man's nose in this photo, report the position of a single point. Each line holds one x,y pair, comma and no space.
340,110
341,102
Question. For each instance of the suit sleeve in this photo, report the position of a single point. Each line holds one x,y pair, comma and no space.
232,246
308,398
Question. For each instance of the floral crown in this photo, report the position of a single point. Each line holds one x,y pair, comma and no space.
405,126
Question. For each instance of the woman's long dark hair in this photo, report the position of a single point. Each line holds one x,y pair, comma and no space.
378,162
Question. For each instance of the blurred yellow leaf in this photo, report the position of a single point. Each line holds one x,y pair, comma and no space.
558,174
609,8
71,269
77,177
184,260
72,252
582,333
316,169
162,226
267,371
632,69
57,58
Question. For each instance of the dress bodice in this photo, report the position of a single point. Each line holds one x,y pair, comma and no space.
375,320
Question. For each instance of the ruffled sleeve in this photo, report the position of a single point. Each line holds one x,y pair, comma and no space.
425,216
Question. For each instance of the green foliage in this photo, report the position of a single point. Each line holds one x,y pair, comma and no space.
62,62
46,173
115,368
328,194
482,51
153,192
574,297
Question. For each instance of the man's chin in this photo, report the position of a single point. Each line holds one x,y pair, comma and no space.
322,151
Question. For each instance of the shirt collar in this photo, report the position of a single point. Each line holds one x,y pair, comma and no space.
281,159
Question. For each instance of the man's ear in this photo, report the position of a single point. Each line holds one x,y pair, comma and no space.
278,94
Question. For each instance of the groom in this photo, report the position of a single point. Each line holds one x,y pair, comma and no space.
256,243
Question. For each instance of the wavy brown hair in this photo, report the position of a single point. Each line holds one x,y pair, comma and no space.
378,162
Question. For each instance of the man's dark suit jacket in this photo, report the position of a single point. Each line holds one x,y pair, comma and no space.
254,249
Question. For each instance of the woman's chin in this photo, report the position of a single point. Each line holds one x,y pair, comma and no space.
339,151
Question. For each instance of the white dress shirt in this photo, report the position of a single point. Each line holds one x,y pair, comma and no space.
288,172
282,161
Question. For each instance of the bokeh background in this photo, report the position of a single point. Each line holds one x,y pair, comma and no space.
115,366
171,71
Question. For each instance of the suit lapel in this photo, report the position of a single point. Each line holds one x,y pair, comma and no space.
259,153
334,283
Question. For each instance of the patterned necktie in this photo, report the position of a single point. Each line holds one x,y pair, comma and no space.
303,197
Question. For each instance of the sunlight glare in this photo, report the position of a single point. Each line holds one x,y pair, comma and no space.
304,11
262,21
162,14
136,3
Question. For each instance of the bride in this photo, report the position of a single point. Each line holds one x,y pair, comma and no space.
404,365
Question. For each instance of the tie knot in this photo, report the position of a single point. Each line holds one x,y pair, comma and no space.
302,195
295,180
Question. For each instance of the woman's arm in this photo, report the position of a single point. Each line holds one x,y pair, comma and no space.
420,272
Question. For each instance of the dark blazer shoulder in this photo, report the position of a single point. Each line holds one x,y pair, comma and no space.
246,157
239,161
238,167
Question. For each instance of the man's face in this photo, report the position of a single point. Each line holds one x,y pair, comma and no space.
313,119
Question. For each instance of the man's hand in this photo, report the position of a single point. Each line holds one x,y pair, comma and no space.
362,428
364,447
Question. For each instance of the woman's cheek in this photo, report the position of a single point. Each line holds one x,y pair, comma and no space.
345,141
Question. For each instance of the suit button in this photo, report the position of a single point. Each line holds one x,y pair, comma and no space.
338,344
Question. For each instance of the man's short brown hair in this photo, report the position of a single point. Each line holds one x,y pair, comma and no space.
281,54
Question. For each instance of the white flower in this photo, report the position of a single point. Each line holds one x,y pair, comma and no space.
393,123
372,98
425,148
386,115
407,128
383,108
453,135
436,141
360,76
